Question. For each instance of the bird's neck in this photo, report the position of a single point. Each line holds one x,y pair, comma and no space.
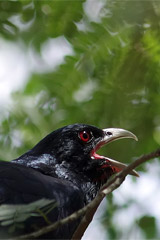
42,163
80,178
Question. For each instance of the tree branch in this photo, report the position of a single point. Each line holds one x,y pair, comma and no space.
91,208
107,188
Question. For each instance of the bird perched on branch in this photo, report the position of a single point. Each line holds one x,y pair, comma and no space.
63,167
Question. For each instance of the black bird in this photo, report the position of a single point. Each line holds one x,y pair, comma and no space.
64,167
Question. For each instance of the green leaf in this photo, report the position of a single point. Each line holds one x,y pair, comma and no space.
148,225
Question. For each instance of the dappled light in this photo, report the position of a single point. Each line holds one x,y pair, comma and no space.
93,62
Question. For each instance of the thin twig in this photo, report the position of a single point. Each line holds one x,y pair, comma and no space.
111,185
91,208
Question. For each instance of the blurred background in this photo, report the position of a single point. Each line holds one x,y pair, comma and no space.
94,62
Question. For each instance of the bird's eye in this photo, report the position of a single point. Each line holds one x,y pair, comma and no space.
85,136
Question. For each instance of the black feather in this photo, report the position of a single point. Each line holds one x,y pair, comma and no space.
58,168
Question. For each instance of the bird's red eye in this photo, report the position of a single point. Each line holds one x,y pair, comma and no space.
85,136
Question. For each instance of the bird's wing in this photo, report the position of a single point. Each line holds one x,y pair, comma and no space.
23,185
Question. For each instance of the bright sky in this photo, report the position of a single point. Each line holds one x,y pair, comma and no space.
17,63
14,69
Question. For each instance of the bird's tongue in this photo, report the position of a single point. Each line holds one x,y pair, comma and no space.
94,155
107,164
115,165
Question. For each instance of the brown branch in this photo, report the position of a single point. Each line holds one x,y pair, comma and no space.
107,188
91,208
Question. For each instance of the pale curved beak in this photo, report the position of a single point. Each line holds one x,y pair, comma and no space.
112,134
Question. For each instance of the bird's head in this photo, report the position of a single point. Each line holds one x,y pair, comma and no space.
75,147
70,153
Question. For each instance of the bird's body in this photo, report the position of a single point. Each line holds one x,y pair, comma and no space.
64,167
23,185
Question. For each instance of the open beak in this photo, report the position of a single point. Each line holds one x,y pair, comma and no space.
110,135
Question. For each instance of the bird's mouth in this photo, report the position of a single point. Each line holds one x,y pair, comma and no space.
110,135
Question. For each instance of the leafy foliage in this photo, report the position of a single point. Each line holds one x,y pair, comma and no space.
148,224
110,79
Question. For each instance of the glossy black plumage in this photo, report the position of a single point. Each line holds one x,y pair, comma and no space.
22,185
59,167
